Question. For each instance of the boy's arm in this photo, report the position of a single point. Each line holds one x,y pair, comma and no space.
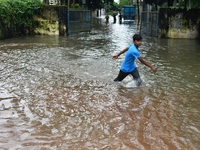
147,64
121,52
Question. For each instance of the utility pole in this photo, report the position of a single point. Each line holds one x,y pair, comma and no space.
68,17
68,4
138,12
131,2
73,3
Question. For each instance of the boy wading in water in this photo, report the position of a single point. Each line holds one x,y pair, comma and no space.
128,65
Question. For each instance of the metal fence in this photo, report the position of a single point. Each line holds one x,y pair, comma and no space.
149,23
79,21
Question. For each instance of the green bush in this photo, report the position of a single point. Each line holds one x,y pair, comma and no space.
75,6
17,15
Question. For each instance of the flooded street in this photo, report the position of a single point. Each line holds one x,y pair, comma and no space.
57,93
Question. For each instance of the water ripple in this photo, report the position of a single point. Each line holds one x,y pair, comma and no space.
58,93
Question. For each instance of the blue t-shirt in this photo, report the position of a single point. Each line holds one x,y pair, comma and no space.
128,65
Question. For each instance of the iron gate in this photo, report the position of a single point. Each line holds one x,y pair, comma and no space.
79,21
149,23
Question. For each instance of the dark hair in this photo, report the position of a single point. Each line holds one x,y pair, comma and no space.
137,37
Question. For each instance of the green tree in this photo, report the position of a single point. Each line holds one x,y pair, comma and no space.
97,4
182,3
17,15
125,2
194,3
158,2
189,4
94,4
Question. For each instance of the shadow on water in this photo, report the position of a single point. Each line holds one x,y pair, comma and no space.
58,92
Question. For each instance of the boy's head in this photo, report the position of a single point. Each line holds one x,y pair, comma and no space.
137,37
137,40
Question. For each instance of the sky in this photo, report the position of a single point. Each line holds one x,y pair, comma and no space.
117,1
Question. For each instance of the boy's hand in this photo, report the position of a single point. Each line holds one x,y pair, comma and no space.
153,69
114,57
121,52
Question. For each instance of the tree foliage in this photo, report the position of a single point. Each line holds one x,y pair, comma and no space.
94,4
195,3
189,3
180,4
157,3
18,14
125,2
97,4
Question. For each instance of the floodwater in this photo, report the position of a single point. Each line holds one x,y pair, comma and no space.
57,93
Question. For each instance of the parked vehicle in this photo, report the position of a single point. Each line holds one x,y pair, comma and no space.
129,12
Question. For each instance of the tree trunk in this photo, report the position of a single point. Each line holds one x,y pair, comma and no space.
73,3
185,6
170,2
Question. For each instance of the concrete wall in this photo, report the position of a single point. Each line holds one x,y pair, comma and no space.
51,21
179,23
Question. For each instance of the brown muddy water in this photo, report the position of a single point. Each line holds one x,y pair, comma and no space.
57,93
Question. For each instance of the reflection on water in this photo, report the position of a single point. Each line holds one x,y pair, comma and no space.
58,93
